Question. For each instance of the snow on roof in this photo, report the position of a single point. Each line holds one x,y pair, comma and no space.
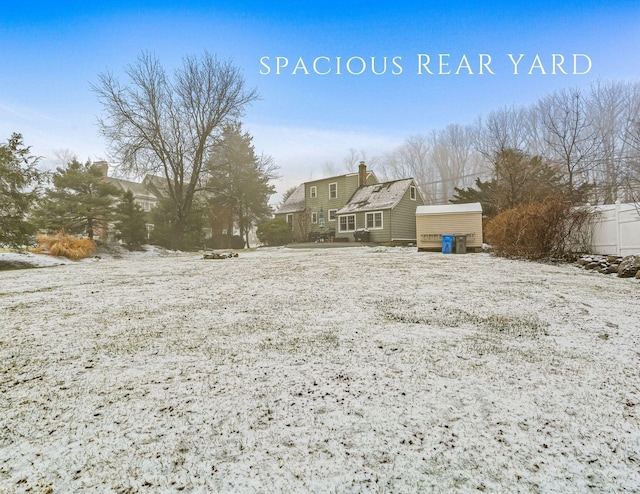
294,203
138,189
474,207
378,196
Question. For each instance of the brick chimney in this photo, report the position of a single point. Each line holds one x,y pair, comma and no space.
104,166
362,174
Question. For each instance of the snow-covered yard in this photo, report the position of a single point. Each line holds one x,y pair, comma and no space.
340,370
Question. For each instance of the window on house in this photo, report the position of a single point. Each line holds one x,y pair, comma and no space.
313,192
412,193
290,219
332,214
333,190
314,217
347,223
373,221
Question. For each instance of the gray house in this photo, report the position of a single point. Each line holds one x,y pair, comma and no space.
386,210
356,201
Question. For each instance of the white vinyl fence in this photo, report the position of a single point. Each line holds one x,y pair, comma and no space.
616,230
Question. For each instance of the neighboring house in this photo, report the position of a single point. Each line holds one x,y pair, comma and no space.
146,194
432,222
351,202
153,189
293,212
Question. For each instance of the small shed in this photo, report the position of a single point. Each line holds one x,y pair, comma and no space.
449,219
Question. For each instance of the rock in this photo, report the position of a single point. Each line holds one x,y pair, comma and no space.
6,265
638,275
610,269
592,265
629,266
614,259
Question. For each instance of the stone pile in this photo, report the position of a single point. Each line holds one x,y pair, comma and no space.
624,267
214,255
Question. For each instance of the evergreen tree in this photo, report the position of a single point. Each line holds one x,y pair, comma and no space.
80,202
239,180
518,179
274,232
130,220
164,226
19,187
482,193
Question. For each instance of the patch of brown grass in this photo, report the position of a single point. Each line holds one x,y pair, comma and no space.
65,245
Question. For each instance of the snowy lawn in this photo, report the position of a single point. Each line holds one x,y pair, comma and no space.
340,370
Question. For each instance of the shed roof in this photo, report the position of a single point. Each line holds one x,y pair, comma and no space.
386,195
294,203
473,207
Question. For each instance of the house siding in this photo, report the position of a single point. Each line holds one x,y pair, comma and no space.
404,224
376,235
347,185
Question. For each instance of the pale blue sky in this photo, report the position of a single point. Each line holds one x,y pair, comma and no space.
53,51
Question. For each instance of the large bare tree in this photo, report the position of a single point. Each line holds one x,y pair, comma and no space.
161,125
570,134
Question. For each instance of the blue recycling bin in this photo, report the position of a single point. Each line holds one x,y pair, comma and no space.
447,244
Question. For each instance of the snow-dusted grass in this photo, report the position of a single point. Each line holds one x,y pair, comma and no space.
339,370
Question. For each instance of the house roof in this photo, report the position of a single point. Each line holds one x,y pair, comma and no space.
294,203
138,189
369,176
474,207
386,195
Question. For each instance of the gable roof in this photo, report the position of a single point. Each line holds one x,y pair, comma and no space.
386,195
138,189
294,203
473,207
370,176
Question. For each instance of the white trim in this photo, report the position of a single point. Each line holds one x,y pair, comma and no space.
313,191
474,207
289,219
314,217
331,217
413,194
373,214
340,230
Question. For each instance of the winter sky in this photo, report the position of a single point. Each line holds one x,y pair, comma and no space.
446,62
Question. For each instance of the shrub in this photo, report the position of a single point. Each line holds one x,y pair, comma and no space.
538,229
65,245
274,232
225,242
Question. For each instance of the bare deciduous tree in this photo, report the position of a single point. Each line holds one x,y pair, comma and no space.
505,128
611,108
570,134
411,159
166,126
